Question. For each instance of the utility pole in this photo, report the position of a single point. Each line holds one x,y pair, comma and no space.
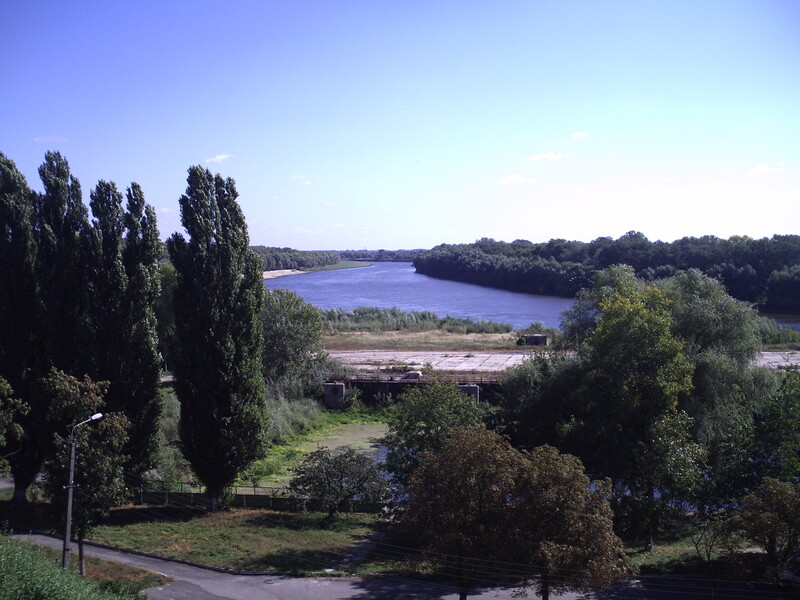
70,486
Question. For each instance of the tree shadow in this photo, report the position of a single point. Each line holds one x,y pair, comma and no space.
150,514
388,587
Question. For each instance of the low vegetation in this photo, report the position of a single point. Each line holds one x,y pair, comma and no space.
31,573
373,319
247,539
427,340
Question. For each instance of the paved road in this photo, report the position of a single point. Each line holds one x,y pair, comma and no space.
194,583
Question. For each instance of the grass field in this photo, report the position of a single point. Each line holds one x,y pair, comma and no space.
279,461
423,340
254,540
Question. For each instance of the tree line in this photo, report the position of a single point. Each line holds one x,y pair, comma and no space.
275,259
381,255
762,271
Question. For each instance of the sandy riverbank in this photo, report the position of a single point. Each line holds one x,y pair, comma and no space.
280,273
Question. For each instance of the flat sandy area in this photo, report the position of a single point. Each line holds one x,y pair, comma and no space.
280,273
484,362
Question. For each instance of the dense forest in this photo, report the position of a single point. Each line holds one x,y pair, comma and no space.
763,271
288,258
381,255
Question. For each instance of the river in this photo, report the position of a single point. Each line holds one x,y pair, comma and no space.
393,284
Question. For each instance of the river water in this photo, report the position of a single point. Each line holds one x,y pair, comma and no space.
393,284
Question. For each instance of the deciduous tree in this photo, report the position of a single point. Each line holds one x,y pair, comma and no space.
484,511
334,480
423,419
218,300
459,505
769,518
563,525
292,334
11,409
123,262
62,333
99,472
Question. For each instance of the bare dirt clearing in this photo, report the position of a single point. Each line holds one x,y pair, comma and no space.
477,362
483,362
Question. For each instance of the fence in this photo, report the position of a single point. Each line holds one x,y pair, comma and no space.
242,496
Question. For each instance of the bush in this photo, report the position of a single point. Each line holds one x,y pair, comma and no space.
367,318
26,574
773,334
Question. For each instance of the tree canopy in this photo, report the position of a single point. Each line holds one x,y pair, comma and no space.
292,334
99,474
77,296
219,296
477,504
756,270
422,420
332,480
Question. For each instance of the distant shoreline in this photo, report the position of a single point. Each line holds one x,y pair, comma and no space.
280,273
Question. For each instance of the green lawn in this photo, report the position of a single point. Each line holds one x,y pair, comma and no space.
255,540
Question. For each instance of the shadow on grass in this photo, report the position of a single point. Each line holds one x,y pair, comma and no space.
149,514
293,562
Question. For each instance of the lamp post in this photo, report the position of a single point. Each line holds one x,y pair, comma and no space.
70,487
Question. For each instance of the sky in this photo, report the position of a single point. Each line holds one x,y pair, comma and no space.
382,124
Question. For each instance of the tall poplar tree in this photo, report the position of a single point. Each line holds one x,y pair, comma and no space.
18,293
218,301
58,297
78,297
124,261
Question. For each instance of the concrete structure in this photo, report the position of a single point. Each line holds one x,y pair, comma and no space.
334,394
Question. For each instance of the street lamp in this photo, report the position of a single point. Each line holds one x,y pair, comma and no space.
71,486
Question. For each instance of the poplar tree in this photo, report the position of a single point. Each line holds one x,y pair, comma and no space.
18,294
218,300
124,261
78,297
54,328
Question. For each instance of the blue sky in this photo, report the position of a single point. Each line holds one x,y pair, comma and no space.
370,124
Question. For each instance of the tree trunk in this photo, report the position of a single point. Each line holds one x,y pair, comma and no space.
213,499
20,494
545,586
81,561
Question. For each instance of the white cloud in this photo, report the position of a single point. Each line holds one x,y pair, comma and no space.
46,139
766,169
515,178
218,158
166,210
546,156
579,134
306,182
